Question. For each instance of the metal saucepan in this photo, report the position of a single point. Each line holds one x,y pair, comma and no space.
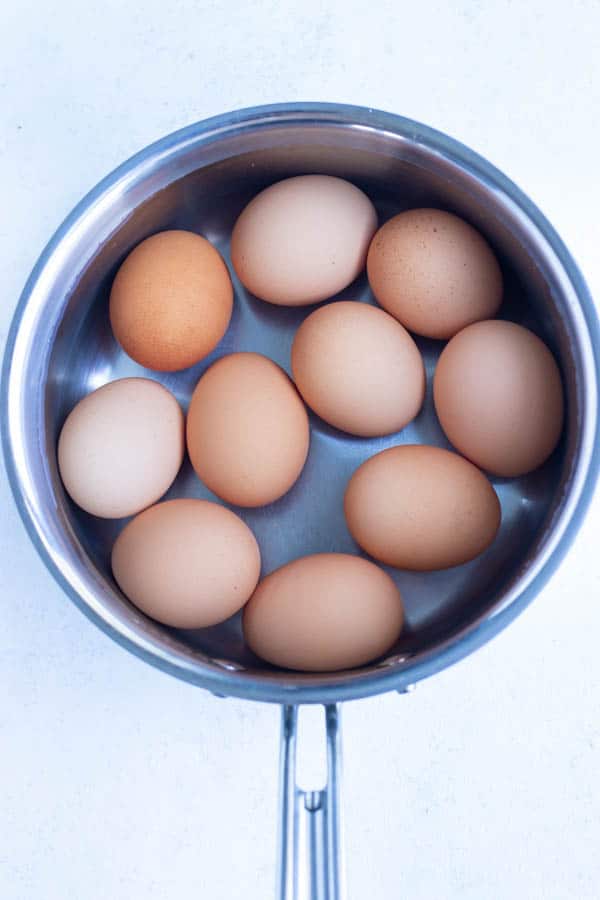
60,347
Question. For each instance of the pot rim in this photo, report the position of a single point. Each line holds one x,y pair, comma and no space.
332,689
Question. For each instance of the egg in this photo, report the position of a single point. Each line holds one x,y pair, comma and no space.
498,395
434,272
421,508
187,563
171,301
358,369
247,430
121,447
303,239
323,613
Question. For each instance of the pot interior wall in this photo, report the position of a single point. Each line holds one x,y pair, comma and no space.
206,195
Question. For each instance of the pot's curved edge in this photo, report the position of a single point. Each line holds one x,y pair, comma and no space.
375,682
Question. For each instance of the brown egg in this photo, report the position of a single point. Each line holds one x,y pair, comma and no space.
499,398
434,272
303,239
421,508
323,613
358,368
187,563
247,430
121,447
171,301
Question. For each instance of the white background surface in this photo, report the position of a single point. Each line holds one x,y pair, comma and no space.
119,782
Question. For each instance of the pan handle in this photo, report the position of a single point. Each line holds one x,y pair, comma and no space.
310,852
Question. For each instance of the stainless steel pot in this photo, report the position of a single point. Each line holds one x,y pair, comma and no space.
60,347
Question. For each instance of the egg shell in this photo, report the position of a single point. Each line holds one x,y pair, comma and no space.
303,239
121,447
171,301
358,368
498,395
187,563
323,613
247,430
421,508
434,272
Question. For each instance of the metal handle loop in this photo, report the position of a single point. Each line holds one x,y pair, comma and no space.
310,850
